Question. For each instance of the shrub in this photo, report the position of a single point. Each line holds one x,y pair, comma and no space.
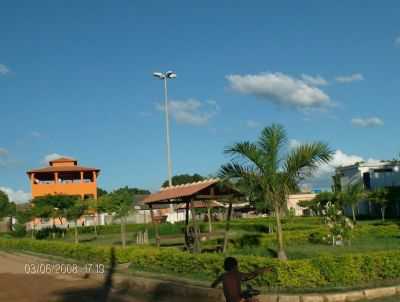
19,230
327,271
46,233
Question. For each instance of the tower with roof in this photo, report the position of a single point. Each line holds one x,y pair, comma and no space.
64,176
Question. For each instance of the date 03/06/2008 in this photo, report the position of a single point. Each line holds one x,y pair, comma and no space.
64,268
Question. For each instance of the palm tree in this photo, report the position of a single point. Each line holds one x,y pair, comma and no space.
351,196
276,172
380,196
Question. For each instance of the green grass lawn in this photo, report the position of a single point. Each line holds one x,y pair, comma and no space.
369,236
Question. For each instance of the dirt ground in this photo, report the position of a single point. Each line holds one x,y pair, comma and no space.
18,286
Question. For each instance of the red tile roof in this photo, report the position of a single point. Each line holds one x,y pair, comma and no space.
63,169
180,191
62,160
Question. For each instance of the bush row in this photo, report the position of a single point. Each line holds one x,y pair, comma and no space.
263,225
327,271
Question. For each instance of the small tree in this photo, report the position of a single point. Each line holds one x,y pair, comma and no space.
94,208
119,202
74,213
351,196
340,227
380,196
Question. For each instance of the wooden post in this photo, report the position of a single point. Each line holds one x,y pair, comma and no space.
32,179
196,248
157,235
227,226
187,225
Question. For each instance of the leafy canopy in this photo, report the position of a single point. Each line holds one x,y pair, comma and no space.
183,179
7,208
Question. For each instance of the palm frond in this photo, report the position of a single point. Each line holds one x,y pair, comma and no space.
271,142
305,159
235,170
247,153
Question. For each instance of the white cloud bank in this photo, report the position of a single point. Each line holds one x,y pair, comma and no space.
4,69
191,111
18,196
317,80
281,89
367,122
50,157
350,78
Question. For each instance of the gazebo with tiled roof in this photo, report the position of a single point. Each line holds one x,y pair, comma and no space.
189,195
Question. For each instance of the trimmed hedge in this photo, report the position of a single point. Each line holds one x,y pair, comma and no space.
261,225
326,271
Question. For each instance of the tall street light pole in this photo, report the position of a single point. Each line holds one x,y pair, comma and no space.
166,76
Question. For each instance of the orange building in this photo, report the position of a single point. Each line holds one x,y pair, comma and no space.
64,176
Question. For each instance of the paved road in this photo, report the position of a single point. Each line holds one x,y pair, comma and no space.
18,286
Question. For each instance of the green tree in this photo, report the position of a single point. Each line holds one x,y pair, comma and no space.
7,208
74,212
183,179
54,206
120,203
351,196
101,192
24,214
94,207
277,173
380,196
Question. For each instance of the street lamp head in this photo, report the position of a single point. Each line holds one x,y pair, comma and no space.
159,75
170,74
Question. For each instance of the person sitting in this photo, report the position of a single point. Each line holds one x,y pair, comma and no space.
232,278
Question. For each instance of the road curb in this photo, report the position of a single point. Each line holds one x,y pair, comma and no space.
176,290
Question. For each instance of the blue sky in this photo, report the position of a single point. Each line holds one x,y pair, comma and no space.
75,80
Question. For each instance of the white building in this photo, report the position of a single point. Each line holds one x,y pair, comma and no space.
371,175
293,202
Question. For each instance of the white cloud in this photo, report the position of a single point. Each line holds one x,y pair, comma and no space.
397,41
51,156
4,69
191,111
252,124
280,89
18,196
367,122
316,81
350,78
294,143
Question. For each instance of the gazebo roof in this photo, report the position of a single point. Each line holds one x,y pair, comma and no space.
206,189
